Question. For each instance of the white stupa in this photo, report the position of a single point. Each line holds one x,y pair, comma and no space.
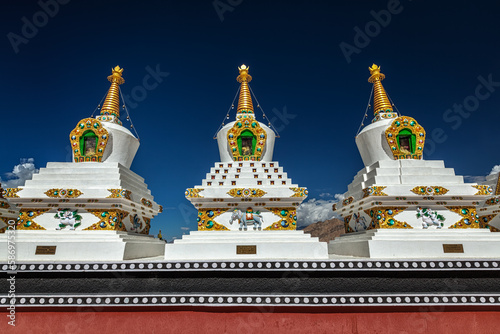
401,205
246,185
94,208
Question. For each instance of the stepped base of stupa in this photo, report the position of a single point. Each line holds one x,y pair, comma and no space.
431,243
246,245
81,246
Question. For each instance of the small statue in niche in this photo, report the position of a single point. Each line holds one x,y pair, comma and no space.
246,146
90,144
404,143
68,217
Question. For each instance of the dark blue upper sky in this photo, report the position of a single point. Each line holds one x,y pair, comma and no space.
434,55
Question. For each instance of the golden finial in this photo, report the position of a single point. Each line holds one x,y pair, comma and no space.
244,76
116,75
111,105
380,100
245,105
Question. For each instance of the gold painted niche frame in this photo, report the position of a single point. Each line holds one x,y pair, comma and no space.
405,123
240,126
94,125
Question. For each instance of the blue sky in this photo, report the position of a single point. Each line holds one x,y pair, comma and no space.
309,64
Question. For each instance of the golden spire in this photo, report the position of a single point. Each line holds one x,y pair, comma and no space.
380,100
245,106
111,105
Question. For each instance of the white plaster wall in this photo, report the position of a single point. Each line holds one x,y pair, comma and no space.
122,145
48,221
372,144
269,218
410,217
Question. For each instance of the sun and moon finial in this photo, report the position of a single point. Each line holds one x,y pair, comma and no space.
244,76
116,75
111,105
245,105
381,102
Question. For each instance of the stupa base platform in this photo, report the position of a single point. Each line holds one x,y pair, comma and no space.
246,245
431,243
67,245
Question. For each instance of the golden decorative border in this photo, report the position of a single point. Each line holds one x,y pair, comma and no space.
470,218
26,219
146,202
347,220
147,221
63,193
288,220
429,190
240,126
348,201
483,190
383,217
486,220
206,220
4,205
102,134
497,189
492,201
374,191
120,193
108,220
246,192
493,229
193,192
401,123
11,192
299,191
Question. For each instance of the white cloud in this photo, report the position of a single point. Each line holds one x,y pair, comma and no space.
20,173
495,169
315,210
323,195
185,228
474,179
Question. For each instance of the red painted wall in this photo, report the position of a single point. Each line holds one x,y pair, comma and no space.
248,322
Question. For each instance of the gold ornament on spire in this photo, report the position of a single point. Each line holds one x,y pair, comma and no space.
380,100
245,105
111,105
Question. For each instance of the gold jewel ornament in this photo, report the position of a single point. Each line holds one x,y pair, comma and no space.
374,191
206,220
193,192
120,193
299,192
63,193
383,217
246,192
406,138
429,190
